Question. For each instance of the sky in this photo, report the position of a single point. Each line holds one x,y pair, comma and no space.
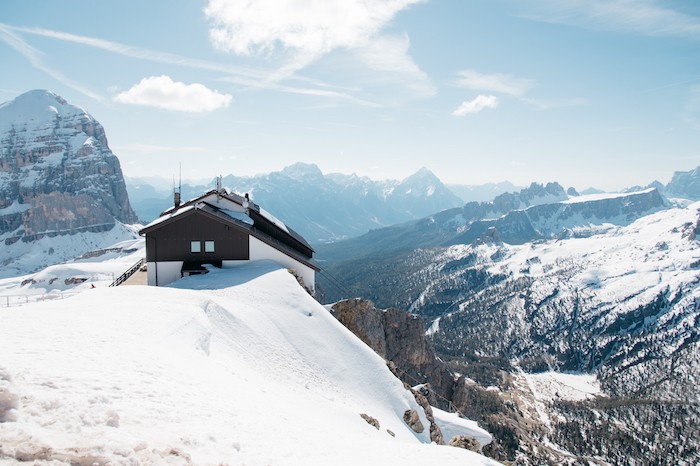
602,93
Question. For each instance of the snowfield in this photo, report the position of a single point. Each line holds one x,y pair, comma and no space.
238,366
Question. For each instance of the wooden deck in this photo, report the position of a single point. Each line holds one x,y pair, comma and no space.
138,278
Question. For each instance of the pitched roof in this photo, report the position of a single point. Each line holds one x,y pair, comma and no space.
262,214
252,222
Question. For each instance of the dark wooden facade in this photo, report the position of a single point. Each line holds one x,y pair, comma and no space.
171,240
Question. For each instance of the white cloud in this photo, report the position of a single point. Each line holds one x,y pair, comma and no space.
647,17
503,83
163,92
301,31
474,106
390,56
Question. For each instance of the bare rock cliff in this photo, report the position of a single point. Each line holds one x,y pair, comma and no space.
398,337
57,173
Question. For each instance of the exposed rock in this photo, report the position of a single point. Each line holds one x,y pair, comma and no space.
685,184
468,443
370,420
412,418
390,432
435,432
400,338
74,280
57,173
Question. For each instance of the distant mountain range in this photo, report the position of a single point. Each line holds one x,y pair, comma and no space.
544,280
323,208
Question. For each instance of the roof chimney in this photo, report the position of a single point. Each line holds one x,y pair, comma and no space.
177,190
177,197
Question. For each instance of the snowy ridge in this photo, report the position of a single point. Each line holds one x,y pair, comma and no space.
602,302
25,257
239,366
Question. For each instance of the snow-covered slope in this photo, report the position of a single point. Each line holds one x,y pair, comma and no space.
239,366
25,257
616,295
98,267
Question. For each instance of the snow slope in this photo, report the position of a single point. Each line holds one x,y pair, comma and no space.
25,257
98,267
239,366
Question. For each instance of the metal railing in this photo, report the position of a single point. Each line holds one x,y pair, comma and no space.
125,276
20,299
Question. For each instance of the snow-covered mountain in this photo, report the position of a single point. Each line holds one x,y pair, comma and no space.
322,207
58,178
534,213
603,284
685,185
239,366
484,192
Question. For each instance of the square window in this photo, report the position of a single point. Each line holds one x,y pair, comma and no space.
195,246
208,246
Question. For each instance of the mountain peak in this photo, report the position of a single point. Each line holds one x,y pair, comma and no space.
423,173
302,170
39,105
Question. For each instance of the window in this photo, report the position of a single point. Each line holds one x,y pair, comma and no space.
195,246
208,246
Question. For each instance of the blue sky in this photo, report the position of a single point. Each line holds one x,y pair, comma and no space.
601,93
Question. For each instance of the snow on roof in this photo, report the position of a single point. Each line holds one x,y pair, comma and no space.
277,222
209,372
170,214
240,216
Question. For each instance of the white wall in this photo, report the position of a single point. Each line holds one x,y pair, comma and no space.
261,251
168,272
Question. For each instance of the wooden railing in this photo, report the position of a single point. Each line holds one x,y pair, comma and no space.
123,277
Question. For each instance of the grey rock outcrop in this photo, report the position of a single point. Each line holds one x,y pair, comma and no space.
412,418
398,337
370,420
57,173
468,443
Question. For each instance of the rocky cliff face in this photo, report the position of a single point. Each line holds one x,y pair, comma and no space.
57,177
57,173
685,185
398,337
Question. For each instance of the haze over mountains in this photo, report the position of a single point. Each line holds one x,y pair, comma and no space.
327,207
332,207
